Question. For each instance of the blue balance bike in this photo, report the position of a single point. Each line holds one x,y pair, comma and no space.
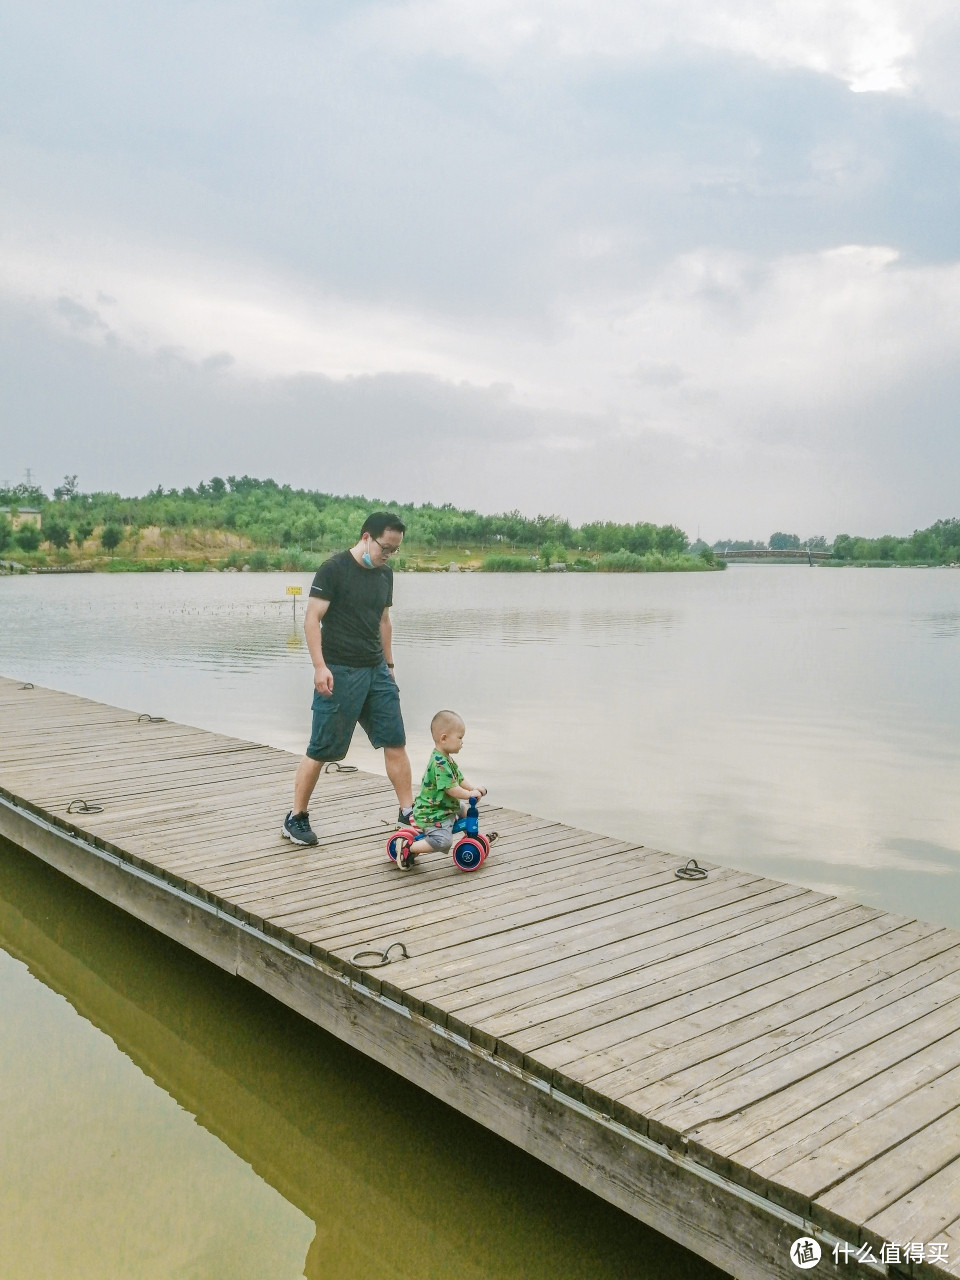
468,853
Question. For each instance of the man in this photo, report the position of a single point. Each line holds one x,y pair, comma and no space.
348,632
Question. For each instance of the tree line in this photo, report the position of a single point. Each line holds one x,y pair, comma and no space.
277,516
939,544
272,515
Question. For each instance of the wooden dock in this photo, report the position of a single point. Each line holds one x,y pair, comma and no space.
736,1061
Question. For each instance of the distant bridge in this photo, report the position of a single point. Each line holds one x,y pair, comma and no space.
758,555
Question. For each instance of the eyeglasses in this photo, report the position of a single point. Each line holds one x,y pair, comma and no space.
387,551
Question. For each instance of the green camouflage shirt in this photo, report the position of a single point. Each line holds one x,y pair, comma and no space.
433,804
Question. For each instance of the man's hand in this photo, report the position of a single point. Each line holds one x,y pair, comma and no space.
323,679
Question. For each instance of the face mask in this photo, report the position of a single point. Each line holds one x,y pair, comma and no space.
367,561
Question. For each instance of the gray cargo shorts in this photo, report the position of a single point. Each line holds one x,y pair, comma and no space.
367,696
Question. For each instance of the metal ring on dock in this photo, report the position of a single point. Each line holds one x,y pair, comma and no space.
383,957
28,685
83,806
147,718
691,871
334,766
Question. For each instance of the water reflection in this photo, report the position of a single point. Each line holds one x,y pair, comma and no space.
376,1178
491,624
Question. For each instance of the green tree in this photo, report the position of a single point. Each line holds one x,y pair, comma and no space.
82,532
784,542
671,540
57,533
6,533
111,537
28,537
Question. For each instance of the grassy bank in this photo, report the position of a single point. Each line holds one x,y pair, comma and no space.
157,550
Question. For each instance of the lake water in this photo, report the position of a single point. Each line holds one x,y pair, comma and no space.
161,1119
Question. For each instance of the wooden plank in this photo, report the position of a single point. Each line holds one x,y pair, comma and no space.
529,854
601,927
664,912
688,980
546,918
425,902
850,1082
921,1212
347,857
796,1123
737,1089
618,1034
572,965
949,1238
55,787
357,852
856,1154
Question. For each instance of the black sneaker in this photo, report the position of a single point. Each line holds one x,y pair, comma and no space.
296,827
405,817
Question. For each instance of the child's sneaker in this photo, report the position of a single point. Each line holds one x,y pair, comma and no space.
404,856
296,827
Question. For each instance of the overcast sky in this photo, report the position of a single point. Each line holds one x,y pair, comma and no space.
674,260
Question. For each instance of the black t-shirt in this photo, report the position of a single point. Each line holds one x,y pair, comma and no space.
358,597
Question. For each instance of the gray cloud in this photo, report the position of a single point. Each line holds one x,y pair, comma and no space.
130,421
77,316
503,207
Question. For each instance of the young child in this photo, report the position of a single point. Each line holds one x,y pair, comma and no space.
444,791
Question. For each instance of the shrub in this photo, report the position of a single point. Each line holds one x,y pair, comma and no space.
582,565
626,562
111,537
258,560
6,533
508,564
650,562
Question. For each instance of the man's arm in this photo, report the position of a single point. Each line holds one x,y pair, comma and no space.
386,638
322,675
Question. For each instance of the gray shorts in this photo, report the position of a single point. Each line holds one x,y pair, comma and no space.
440,835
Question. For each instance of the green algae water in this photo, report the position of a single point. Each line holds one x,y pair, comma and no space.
161,1119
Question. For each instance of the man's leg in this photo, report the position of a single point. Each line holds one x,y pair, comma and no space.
296,825
382,722
397,764
308,772
334,718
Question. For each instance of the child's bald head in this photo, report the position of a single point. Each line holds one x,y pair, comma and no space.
445,723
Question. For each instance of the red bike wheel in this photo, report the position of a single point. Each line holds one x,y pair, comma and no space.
469,853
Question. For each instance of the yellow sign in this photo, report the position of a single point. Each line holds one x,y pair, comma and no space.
294,591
